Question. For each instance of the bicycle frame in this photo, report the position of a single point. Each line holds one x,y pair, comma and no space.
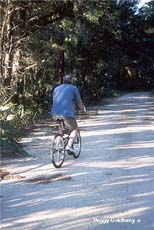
59,143
61,126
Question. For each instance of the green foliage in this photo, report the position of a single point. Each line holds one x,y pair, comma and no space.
8,143
10,117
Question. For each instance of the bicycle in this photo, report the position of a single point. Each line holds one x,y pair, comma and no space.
59,144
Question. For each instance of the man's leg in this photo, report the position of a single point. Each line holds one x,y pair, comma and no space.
71,124
72,137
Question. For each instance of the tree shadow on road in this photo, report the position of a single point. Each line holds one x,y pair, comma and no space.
112,182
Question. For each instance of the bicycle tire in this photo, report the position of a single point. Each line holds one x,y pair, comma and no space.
77,146
57,151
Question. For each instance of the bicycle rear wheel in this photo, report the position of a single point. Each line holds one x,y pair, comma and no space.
77,146
57,151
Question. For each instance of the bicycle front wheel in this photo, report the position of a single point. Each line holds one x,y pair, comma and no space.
77,146
57,151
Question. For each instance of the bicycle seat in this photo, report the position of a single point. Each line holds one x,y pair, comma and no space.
58,118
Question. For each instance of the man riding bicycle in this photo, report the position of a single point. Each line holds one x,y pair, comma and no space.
66,98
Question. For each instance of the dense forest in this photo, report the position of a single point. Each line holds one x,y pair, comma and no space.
106,45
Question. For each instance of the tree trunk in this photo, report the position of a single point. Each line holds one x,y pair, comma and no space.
7,47
62,63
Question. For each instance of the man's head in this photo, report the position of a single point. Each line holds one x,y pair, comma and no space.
67,79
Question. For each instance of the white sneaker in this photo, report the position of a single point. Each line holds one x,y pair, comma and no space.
69,149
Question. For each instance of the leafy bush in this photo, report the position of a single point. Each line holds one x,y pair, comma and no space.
8,130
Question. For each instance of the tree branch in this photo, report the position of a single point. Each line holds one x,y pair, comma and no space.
33,29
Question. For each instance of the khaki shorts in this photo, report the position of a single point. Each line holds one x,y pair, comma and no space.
70,123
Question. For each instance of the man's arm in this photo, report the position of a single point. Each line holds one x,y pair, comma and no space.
81,106
78,99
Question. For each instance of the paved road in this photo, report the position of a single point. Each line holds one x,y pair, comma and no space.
111,185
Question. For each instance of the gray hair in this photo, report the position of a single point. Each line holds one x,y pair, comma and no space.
67,79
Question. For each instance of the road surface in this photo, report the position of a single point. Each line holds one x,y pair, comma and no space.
111,185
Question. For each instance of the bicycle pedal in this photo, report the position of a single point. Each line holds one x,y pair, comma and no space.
70,152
